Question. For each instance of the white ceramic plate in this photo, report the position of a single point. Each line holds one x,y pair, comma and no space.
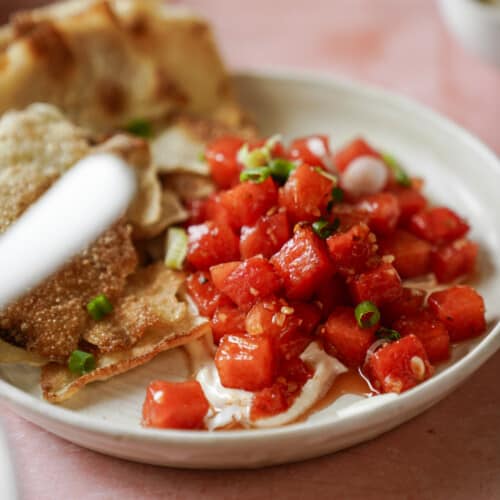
461,173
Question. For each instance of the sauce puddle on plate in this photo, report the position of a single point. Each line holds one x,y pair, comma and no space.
350,382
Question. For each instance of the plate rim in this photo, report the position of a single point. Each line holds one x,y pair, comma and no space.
428,393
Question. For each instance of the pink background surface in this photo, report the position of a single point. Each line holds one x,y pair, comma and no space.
451,451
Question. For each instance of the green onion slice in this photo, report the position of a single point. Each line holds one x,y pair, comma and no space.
387,334
367,314
324,229
140,128
99,307
255,174
400,175
337,194
258,157
281,169
81,362
177,248
326,174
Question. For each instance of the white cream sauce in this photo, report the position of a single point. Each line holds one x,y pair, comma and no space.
229,406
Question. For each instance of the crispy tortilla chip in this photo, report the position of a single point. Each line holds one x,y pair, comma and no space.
11,355
106,63
59,384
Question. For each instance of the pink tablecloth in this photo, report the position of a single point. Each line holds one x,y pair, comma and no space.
451,451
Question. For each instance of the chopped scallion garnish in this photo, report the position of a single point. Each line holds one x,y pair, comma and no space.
281,169
202,157
367,314
337,194
257,157
81,362
387,334
324,229
140,128
326,174
99,307
400,175
177,247
255,174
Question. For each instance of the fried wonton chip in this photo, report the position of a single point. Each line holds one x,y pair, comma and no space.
150,310
11,355
37,146
189,187
106,63
147,211
51,318
180,146
148,301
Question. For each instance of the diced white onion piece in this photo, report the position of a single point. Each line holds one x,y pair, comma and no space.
364,175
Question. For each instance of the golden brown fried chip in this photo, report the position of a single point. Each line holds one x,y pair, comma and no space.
189,187
51,318
11,355
59,384
108,62
148,301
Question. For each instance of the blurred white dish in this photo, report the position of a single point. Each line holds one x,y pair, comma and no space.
476,24
460,172
7,476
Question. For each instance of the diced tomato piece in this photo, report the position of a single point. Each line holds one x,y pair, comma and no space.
266,237
214,211
399,366
247,201
246,362
411,302
344,337
410,202
305,194
431,332
456,259
312,150
211,243
221,156
438,225
383,212
247,282
227,320
174,405
330,294
292,376
461,309
205,295
355,149
412,255
302,263
380,285
352,251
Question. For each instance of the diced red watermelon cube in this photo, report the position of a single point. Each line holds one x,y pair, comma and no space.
221,156
412,254
461,309
204,293
399,366
456,259
355,149
246,362
438,225
383,212
345,339
211,243
302,263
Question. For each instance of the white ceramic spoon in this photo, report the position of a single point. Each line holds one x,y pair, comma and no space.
92,195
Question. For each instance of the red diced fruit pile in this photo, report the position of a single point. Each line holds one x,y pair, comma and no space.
281,255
